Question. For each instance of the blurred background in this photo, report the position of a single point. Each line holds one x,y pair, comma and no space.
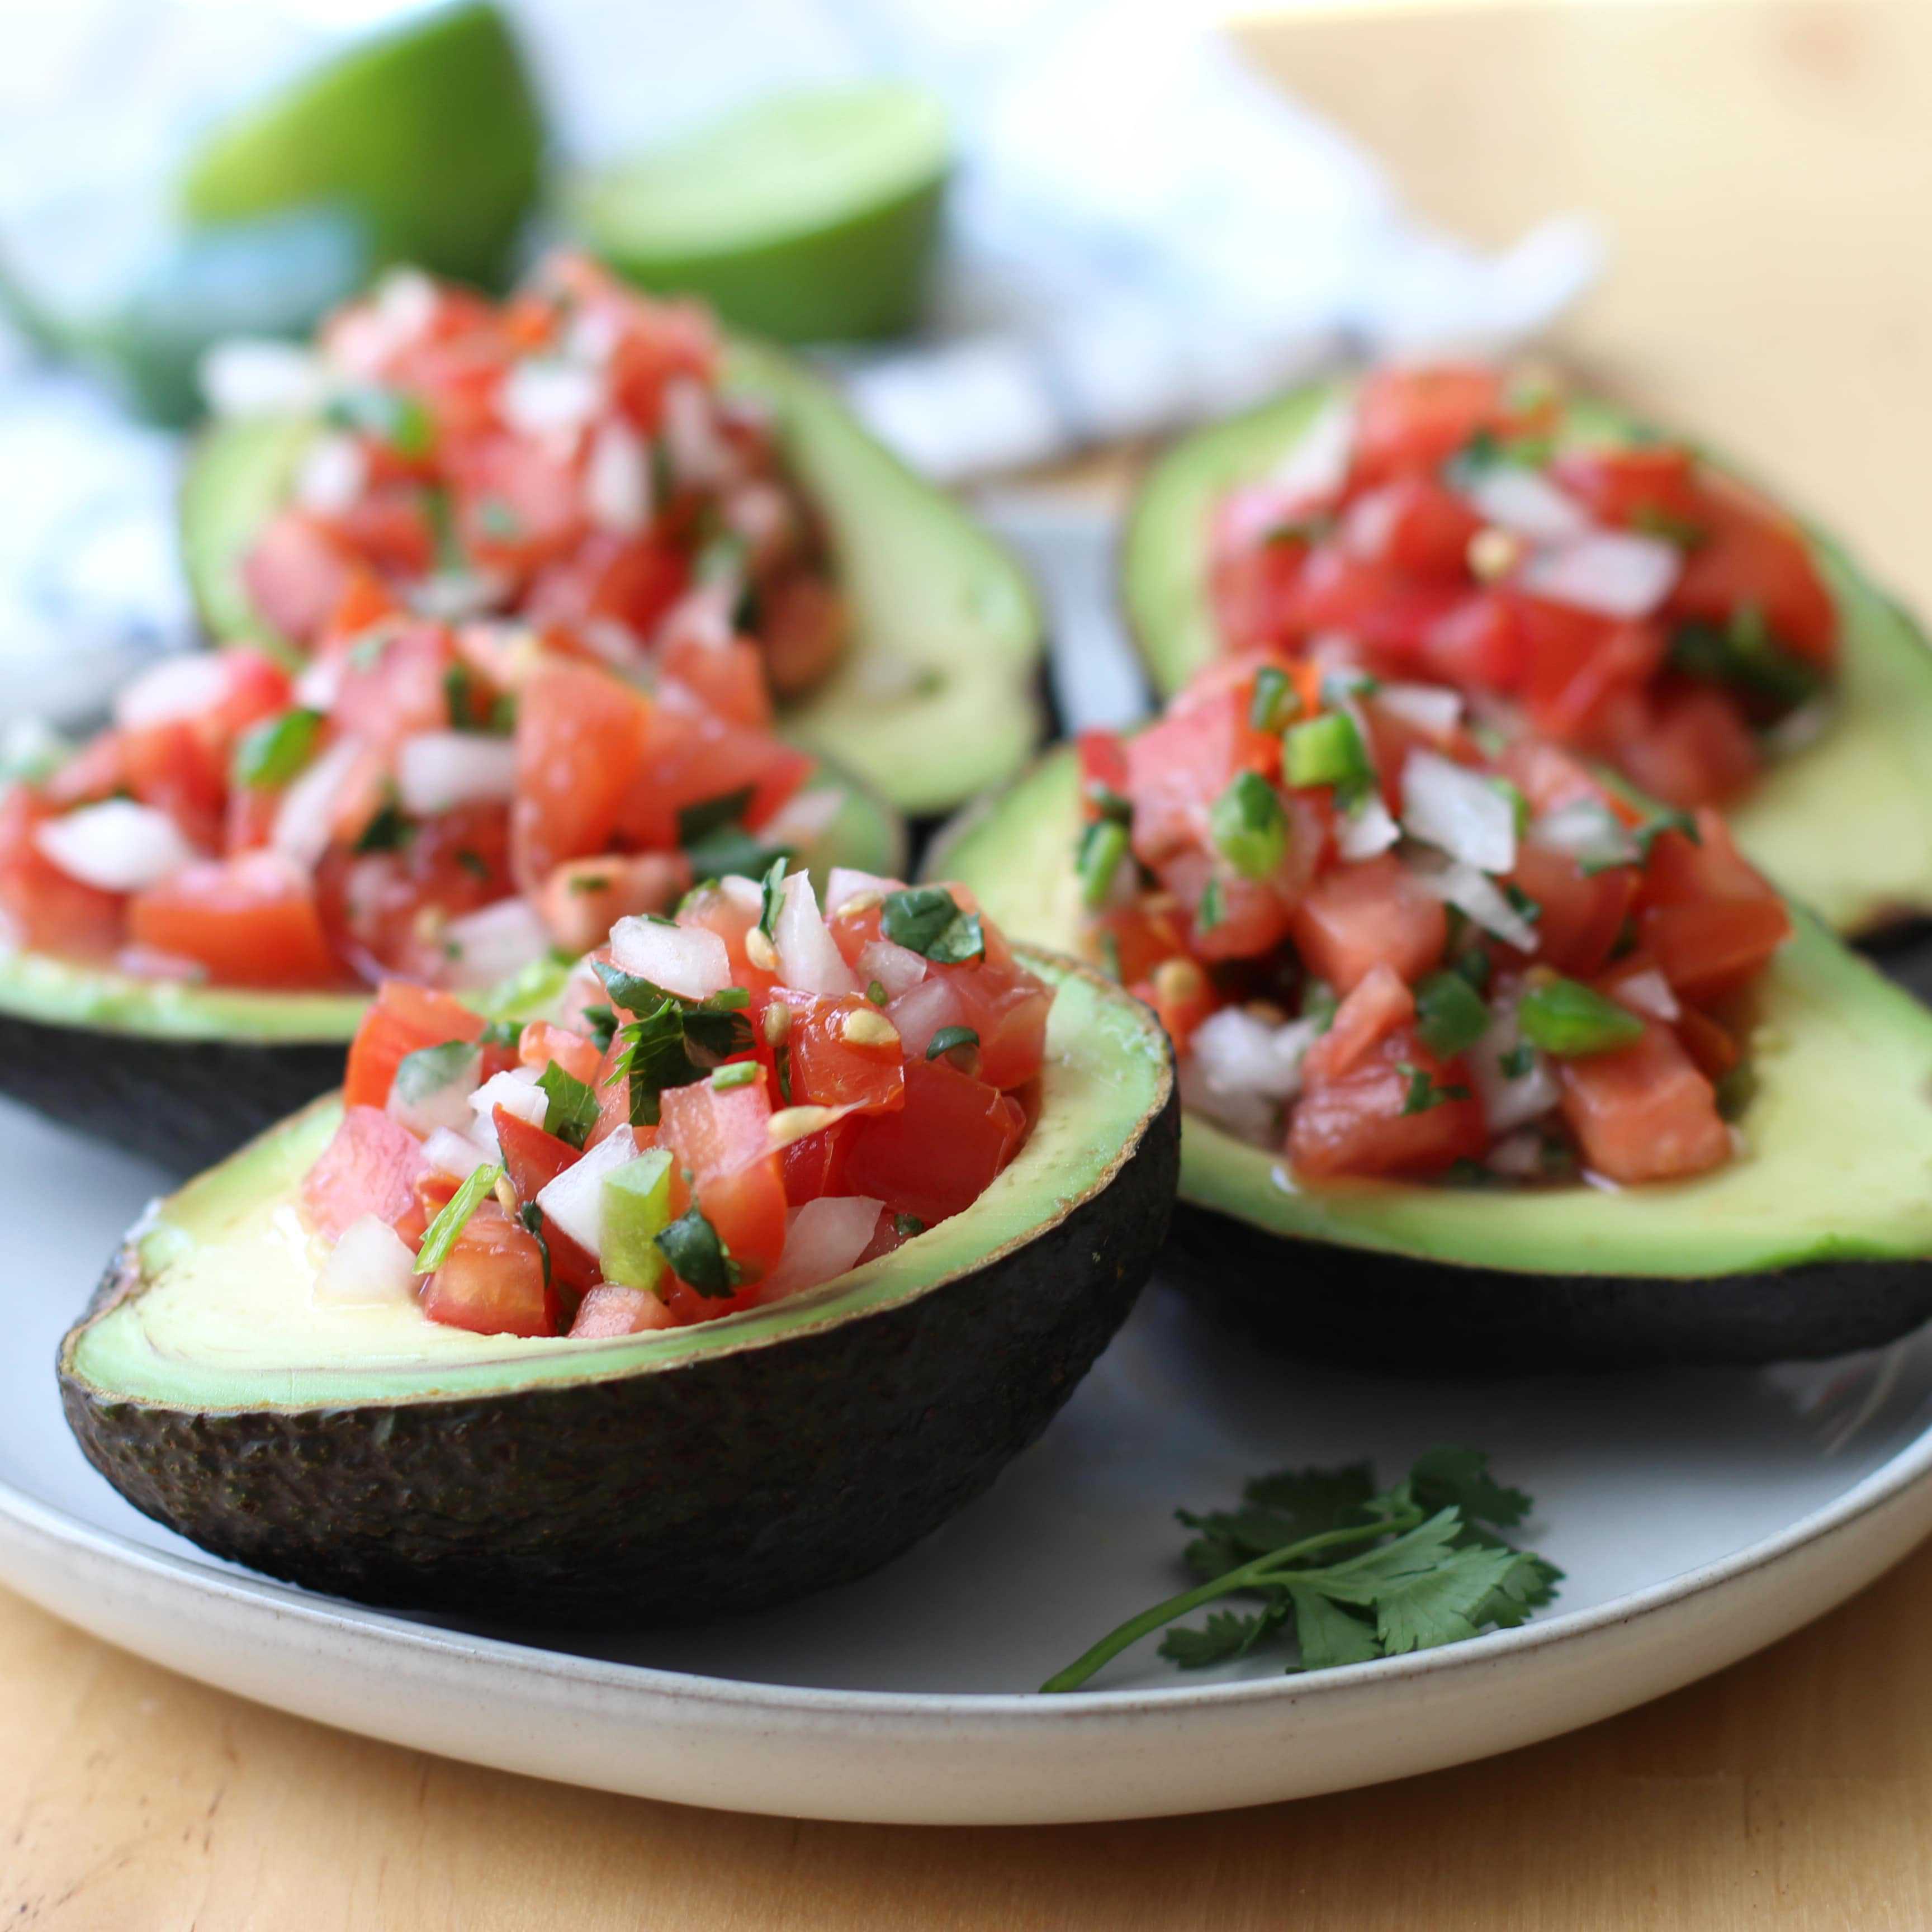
1015,232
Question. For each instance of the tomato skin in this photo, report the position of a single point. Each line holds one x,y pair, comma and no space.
1358,917
1645,1113
40,906
1410,420
1353,1122
815,1164
371,1167
1382,1005
1707,950
401,1018
1255,586
250,920
939,1153
493,1282
580,735
1478,642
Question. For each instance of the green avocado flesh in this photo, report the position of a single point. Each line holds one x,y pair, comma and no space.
809,217
369,1451
1837,1167
1844,826
431,134
934,698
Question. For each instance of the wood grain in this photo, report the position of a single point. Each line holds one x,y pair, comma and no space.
1765,171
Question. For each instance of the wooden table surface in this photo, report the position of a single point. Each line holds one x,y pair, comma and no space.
1765,172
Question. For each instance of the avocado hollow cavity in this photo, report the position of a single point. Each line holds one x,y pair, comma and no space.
366,1451
1817,1239
1843,824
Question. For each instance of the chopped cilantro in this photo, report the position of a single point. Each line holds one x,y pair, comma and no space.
875,992
502,1033
928,920
697,822
473,863
1275,702
1525,907
389,831
1248,825
429,1069
603,1023
1107,803
950,1040
572,1109
697,1257
1450,1014
1211,910
906,1225
1570,1020
1518,1062
772,896
532,1217
1424,1091
390,416
272,752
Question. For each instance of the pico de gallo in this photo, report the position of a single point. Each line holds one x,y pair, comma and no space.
725,1107
1392,943
444,802
566,457
1628,601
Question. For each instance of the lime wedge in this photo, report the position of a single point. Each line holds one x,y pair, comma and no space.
431,133
810,217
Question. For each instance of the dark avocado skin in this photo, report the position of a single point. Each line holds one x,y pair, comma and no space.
726,1482
1388,1315
182,1103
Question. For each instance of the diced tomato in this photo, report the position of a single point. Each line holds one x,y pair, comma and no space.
371,1167
1409,420
720,1138
608,1311
815,1164
728,678
1391,616
493,1282
173,766
1143,934
634,581
1255,583
295,573
1360,915
1413,525
1381,1006
691,758
250,920
1644,1113
1547,776
712,911
1577,662
434,1191
1579,916
580,736
939,1154
1653,486
1177,767
1181,998
533,1158
40,906
517,505
1103,761
829,1069
1397,1109
389,530
397,689
1009,1012
1753,557
1713,947
541,1043
1713,1048
1478,643
804,622
1683,869
1689,747
582,898
401,1018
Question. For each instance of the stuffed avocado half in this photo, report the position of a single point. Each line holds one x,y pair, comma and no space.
933,696
367,1451
1837,812
1816,1239
183,1073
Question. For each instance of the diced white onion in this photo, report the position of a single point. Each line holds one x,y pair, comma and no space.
445,1106
846,882
1318,465
1459,811
747,895
1524,501
1586,828
1469,891
116,845
1236,1053
516,1092
305,820
543,396
436,771
1612,573
897,968
332,475
184,685
320,683
809,960
760,514
617,480
575,1200
370,1264
1432,708
363,339
1367,830
804,818
1648,992
919,1014
253,376
1509,1102
494,942
1251,1117
700,457
455,1154
449,596
824,1238
689,960
1519,1156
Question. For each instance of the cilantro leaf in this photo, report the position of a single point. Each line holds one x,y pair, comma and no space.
1225,1636
698,821
1461,1476
1326,1635
928,920
771,888
572,1108
698,1257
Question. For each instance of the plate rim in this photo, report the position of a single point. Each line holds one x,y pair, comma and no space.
251,1593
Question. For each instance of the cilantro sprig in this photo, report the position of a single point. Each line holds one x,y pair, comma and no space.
1345,1573
674,1042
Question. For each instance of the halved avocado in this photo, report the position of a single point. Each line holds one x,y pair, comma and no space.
183,1074
659,1478
431,132
810,216
936,697
1817,1239
1844,825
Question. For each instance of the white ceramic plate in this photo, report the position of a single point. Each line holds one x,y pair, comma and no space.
1698,1516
